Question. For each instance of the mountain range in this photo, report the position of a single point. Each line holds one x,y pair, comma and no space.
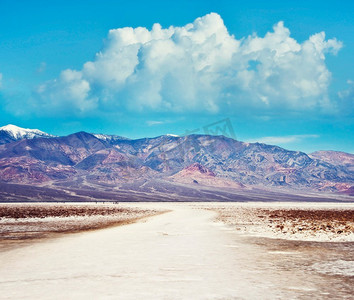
165,165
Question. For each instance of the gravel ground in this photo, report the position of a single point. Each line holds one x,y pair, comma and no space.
299,222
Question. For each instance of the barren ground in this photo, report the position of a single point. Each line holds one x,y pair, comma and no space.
186,254
314,222
21,224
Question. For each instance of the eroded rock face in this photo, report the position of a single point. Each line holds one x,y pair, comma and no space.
199,174
199,169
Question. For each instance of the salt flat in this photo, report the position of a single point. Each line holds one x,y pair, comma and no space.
182,254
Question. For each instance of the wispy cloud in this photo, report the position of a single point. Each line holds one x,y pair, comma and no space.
346,99
152,123
42,67
280,140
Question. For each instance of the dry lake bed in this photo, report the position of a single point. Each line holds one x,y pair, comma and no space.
177,251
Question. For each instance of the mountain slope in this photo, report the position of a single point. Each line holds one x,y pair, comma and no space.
334,157
67,150
200,175
43,159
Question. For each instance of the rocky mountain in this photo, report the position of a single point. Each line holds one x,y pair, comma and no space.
11,133
335,158
197,160
199,175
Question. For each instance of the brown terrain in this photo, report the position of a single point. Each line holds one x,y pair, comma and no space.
295,223
24,223
198,174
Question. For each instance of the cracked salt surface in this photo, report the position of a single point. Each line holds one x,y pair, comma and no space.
195,259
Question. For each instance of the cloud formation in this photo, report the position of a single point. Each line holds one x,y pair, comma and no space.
280,140
153,123
42,67
197,67
346,99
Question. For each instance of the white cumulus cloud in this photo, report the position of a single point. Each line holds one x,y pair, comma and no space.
70,90
196,67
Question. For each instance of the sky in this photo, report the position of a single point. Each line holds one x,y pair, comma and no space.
277,72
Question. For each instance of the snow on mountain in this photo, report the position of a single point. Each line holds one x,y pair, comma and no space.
17,133
108,137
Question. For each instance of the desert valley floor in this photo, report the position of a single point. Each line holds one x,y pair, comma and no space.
186,252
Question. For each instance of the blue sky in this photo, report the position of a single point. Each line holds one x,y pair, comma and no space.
280,71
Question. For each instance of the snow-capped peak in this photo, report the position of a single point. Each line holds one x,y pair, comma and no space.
173,135
19,133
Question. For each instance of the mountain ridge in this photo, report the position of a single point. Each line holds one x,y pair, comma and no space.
216,161
113,137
